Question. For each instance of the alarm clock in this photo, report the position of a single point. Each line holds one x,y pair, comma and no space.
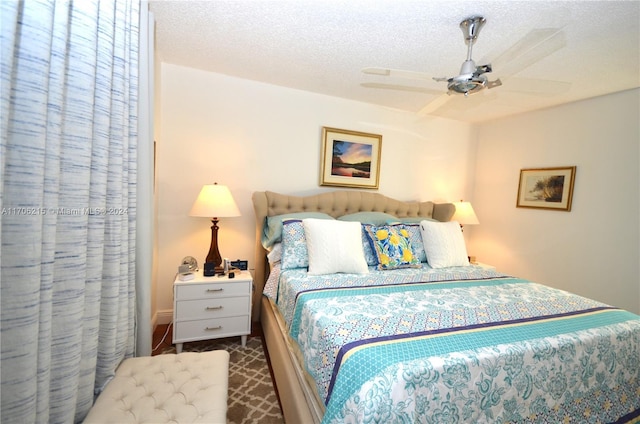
189,264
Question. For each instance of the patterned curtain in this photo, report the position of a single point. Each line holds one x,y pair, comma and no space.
68,199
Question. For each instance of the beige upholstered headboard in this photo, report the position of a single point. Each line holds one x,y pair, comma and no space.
335,203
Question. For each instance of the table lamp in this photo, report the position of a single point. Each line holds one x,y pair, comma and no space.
214,201
464,214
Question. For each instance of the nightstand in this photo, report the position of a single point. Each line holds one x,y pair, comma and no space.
485,266
211,307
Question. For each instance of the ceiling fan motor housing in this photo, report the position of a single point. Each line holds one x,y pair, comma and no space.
468,67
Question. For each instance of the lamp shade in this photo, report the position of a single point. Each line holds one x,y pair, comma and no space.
216,201
465,214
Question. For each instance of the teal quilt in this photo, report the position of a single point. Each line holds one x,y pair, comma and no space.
460,345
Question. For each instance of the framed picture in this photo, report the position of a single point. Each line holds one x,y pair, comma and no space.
546,188
350,158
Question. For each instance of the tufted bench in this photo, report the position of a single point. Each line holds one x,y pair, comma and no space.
189,387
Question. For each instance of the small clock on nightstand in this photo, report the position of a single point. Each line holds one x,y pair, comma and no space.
211,307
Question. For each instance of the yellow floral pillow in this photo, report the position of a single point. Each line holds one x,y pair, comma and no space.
392,246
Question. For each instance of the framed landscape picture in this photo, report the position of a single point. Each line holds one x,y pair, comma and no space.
546,188
350,158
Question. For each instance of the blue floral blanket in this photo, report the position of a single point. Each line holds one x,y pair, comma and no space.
461,345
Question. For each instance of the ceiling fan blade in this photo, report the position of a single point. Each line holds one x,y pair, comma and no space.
435,104
466,104
483,69
397,73
533,47
492,84
377,71
537,87
400,87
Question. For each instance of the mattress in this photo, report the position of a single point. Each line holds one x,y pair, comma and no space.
459,344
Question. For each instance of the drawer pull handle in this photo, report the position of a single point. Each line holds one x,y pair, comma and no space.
214,290
213,328
212,308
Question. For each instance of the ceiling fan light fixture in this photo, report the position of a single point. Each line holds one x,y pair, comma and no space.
468,85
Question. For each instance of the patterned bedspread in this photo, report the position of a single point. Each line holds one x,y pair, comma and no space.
461,345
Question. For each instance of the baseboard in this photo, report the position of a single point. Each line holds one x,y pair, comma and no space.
163,317
154,323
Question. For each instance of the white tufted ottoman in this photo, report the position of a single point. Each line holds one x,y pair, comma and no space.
189,387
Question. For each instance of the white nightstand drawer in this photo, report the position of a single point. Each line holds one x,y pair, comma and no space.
212,328
210,290
211,308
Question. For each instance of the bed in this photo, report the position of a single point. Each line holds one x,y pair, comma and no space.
404,338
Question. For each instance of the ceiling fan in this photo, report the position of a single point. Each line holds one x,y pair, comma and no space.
472,78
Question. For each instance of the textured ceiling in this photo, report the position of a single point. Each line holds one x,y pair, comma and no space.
322,47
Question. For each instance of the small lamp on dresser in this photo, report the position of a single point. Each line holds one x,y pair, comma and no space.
214,201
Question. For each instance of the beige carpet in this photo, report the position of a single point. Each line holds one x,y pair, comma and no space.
252,398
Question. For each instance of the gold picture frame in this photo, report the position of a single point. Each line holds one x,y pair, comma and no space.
546,188
350,158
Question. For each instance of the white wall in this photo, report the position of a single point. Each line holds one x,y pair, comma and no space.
594,250
252,136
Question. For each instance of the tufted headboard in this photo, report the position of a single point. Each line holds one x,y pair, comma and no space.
335,203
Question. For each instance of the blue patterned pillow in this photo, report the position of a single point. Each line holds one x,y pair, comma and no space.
392,247
272,230
369,254
294,245
415,236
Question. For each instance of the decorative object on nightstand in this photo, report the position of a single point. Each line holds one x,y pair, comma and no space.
212,307
214,201
189,264
464,214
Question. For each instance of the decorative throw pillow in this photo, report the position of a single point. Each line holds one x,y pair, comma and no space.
334,246
444,244
392,246
294,245
369,255
272,230
415,237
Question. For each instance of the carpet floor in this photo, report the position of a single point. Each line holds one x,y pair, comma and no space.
252,398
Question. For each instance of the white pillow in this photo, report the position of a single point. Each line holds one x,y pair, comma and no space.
334,246
443,244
